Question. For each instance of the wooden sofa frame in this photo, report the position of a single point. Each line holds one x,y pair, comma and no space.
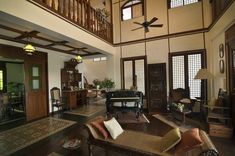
209,148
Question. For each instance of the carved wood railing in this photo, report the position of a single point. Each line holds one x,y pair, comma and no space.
80,13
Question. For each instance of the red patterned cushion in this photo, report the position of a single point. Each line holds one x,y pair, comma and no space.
189,140
99,125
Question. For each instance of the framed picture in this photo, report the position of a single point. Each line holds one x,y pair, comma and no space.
221,66
221,50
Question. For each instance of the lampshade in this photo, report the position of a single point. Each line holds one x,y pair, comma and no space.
29,49
79,59
203,74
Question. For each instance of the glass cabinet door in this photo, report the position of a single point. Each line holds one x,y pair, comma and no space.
35,77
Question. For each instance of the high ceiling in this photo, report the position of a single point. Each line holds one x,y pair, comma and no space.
21,32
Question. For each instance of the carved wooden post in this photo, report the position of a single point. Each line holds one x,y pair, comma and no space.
90,149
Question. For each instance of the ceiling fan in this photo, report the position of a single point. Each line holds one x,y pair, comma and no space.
148,24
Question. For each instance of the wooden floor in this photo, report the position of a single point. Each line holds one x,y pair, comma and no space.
54,143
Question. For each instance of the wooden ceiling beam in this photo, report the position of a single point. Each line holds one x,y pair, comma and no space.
34,34
27,34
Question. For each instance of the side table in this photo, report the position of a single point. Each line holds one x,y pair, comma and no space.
178,115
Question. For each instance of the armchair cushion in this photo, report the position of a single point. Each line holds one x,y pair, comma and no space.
113,127
190,139
169,140
99,125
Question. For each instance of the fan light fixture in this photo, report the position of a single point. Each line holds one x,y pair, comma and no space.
29,49
79,59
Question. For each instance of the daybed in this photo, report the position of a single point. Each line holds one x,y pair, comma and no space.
138,143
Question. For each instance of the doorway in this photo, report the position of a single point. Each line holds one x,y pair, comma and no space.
12,90
35,81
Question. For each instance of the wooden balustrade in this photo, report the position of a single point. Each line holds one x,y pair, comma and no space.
81,13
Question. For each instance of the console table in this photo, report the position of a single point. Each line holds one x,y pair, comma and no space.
124,100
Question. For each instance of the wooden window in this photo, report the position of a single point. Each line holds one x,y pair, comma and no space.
183,68
98,59
3,77
132,9
178,3
134,72
1,80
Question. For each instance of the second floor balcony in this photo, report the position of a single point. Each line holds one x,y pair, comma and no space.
80,13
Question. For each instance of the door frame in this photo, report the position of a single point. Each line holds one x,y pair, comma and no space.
229,43
184,53
18,53
148,84
133,65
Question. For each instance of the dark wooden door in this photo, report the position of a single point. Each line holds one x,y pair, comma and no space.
157,87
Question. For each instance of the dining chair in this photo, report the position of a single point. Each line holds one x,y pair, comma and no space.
57,100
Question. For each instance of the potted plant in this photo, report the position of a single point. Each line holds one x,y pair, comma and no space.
97,83
107,84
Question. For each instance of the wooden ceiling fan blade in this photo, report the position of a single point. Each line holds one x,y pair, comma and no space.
136,28
156,25
146,29
153,20
138,23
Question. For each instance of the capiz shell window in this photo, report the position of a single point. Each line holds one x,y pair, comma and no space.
178,3
132,9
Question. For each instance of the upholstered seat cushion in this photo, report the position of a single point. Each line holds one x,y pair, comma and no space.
190,139
170,139
99,125
113,127
127,104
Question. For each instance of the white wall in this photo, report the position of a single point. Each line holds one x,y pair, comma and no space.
185,18
93,70
214,38
180,19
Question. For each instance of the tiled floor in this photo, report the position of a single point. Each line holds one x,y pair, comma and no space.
54,143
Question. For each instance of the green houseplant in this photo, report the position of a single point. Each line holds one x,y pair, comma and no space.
97,83
107,84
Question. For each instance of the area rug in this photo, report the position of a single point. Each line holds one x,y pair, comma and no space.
174,123
87,111
129,117
17,138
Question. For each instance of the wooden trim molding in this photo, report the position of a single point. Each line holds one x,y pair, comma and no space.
185,33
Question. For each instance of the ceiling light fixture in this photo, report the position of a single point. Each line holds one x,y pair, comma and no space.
29,49
79,59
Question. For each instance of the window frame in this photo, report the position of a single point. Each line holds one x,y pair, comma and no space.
133,59
130,6
169,4
3,68
185,54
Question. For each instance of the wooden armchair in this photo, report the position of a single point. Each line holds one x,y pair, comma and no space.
57,100
182,96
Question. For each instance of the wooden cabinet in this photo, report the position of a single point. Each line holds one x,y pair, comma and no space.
82,97
71,98
70,77
75,98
